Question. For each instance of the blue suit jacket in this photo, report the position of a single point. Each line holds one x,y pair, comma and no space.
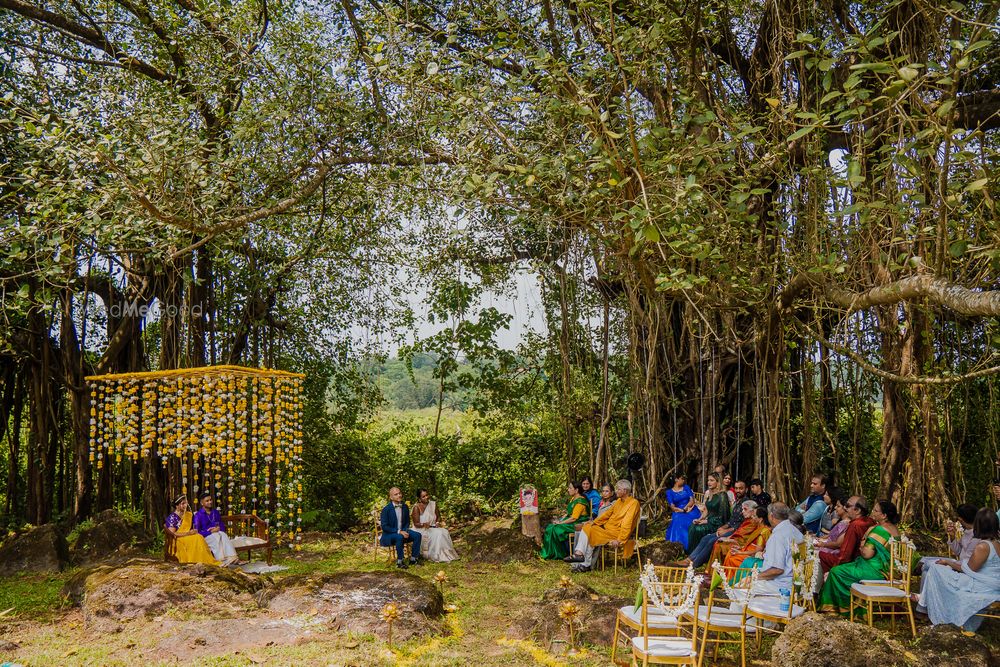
388,519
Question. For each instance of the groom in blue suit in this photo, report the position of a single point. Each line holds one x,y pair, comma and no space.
396,531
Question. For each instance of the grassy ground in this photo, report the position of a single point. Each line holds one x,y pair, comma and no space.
43,630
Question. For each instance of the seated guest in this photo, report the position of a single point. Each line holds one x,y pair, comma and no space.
830,517
776,568
756,531
954,592
591,494
996,492
717,512
395,523
727,484
613,528
555,541
607,499
208,522
813,507
859,523
757,493
435,542
872,562
959,546
703,554
683,510
189,545
832,541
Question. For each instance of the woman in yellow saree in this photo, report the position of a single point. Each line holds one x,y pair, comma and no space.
189,545
873,563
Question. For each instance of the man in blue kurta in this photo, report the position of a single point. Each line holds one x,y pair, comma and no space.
395,522
812,508
208,522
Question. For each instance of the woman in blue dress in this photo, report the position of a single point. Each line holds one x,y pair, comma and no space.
592,495
683,509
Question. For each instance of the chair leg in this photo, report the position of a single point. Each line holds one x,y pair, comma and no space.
614,639
870,614
852,607
743,646
704,641
913,622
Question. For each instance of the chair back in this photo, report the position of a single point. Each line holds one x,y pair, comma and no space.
741,590
901,566
699,497
670,575
248,525
677,601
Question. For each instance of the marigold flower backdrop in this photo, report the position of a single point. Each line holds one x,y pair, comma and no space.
232,431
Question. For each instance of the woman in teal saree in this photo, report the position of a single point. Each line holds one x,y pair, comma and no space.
554,542
873,563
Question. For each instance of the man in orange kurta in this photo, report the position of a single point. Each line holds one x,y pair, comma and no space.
613,528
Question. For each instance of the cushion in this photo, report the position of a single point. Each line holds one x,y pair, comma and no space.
878,591
875,582
772,607
666,647
246,541
724,618
654,618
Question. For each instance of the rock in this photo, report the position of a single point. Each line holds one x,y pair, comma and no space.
111,533
353,601
946,646
490,543
41,549
144,587
662,552
813,640
826,641
595,623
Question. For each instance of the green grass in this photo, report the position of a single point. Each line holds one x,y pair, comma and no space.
34,596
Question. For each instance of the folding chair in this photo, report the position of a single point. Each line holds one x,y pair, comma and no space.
884,599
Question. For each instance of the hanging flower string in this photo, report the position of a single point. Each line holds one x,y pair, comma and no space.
229,430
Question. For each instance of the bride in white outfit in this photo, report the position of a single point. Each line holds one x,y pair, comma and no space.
435,544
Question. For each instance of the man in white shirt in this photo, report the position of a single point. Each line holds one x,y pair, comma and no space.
776,571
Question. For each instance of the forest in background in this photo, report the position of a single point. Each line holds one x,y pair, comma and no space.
764,231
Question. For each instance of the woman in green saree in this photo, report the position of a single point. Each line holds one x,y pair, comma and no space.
554,545
873,563
717,512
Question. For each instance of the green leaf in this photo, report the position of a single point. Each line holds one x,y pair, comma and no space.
651,233
801,132
977,185
958,248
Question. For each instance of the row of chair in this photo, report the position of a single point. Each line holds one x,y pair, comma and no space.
681,630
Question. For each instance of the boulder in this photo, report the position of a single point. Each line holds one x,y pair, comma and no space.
114,592
497,544
946,646
41,549
111,533
813,640
595,623
662,552
353,601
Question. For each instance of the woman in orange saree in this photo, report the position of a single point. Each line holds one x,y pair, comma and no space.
753,541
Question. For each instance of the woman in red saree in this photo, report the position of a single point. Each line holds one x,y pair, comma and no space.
754,541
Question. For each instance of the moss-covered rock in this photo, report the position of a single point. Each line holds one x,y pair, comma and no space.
41,549
352,601
111,533
595,623
135,587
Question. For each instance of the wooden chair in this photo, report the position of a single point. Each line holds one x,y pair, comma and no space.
630,618
169,547
619,551
993,611
766,612
715,622
681,649
884,599
377,541
254,533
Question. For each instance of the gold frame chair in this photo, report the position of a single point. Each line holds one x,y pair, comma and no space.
876,596
619,551
720,621
377,535
626,616
678,650
769,612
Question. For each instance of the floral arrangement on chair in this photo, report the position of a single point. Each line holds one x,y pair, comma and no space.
672,606
799,568
730,590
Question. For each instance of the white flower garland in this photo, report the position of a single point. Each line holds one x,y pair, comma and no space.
799,567
729,590
673,607
898,564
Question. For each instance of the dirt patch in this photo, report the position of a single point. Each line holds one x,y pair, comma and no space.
188,640
352,602
662,552
813,640
595,623
498,543
111,534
